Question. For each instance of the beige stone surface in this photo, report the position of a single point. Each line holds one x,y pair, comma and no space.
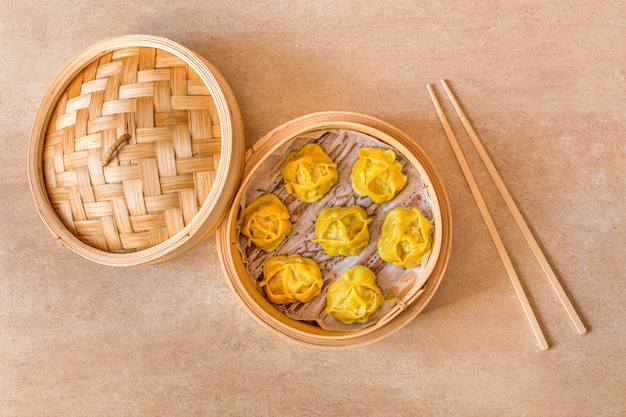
543,82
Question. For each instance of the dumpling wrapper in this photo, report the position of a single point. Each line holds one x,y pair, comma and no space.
406,236
266,222
354,296
342,231
291,278
309,173
377,174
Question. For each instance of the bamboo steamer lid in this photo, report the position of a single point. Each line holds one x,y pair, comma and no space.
136,151
409,307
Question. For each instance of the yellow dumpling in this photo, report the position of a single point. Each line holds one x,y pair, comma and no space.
406,236
266,222
309,173
291,278
342,230
377,175
354,296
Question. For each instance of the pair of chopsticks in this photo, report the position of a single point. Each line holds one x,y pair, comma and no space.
530,315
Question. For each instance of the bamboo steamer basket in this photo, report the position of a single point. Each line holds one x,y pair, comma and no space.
136,151
405,310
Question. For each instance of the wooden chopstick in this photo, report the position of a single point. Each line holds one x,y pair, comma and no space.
495,236
519,219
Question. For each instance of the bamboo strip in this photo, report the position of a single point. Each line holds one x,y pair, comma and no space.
93,86
194,164
109,230
112,89
157,203
147,221
146,59
94,164
166,160
182,141
153,75
102,123
178,82
137,152
49,173
130,66
84,185
82,120
65,214
108,69
68,142
108,191
495,236
96,240
78,210
169,118
203,182
52,138
197,88
121,173
133,193
188,205
134,90
88,227
153,134
121,215
517,215
177,183
78,102
65,120
96,104
191,102
67,179
173,221
205,146
158,235
137,240
127,105
144,116
162,96
98,209
149,174
73,160
88,142
58,195
125,52
164,59
200,124
59,164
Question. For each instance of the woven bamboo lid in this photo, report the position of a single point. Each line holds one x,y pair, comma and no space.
136,151
262,157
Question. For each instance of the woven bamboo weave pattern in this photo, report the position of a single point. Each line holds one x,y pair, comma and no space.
156,181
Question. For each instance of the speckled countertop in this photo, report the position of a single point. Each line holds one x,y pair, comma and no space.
542,82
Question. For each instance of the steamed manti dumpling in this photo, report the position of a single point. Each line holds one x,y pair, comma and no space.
354,296
406,236
342,231
266,222
377,175
291,278
309,173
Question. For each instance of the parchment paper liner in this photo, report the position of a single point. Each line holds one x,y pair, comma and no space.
397,283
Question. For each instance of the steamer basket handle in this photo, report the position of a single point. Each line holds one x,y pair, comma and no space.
118,142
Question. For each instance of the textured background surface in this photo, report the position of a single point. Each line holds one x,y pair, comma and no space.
544,85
